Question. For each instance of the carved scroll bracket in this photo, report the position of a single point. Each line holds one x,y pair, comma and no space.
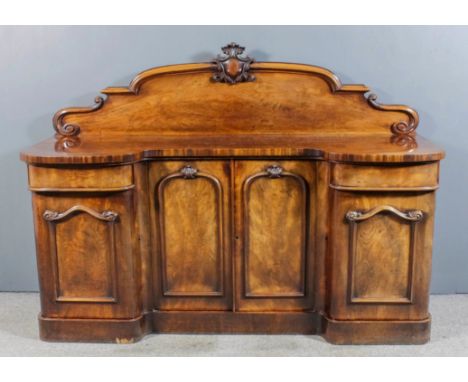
69,129
232,67
400,127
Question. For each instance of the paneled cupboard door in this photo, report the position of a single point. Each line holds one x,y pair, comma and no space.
274,226
381,255
87,264
190,215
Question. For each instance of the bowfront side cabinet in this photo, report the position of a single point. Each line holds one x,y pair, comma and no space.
235,197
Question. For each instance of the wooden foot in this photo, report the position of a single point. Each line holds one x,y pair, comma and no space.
334,331
376,332
94,330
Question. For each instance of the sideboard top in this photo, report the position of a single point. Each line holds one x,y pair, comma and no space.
234,106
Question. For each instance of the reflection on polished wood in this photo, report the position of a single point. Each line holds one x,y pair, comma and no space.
235,197
333,148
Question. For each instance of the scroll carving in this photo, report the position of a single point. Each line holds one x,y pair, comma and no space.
69,129
400,127
108,216
232,67
411,215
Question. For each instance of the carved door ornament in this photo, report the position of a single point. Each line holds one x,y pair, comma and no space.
274,171
231,67
188,172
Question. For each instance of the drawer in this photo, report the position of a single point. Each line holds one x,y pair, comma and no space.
85,178
390,177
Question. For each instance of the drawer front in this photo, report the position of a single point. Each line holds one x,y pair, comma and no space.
355,176
91,179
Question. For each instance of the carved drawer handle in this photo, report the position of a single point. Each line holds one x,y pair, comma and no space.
410,215
108,216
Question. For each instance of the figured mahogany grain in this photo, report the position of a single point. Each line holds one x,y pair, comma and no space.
378,270
391,281
235,197
191,229
75,257
399,177
85,263
274,226
111,178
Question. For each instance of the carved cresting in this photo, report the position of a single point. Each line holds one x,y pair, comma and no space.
232,68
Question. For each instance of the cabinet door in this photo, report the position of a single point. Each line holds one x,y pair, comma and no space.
86,256
381,255
191,235
274,227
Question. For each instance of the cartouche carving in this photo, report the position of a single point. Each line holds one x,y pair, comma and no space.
70,129
411,215
400,127
274,171
188,172
108,216
232,68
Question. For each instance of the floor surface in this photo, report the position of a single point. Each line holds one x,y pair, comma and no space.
19,337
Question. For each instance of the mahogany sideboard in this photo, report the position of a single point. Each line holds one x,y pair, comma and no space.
235,196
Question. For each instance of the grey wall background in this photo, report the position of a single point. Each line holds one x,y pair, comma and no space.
43,69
